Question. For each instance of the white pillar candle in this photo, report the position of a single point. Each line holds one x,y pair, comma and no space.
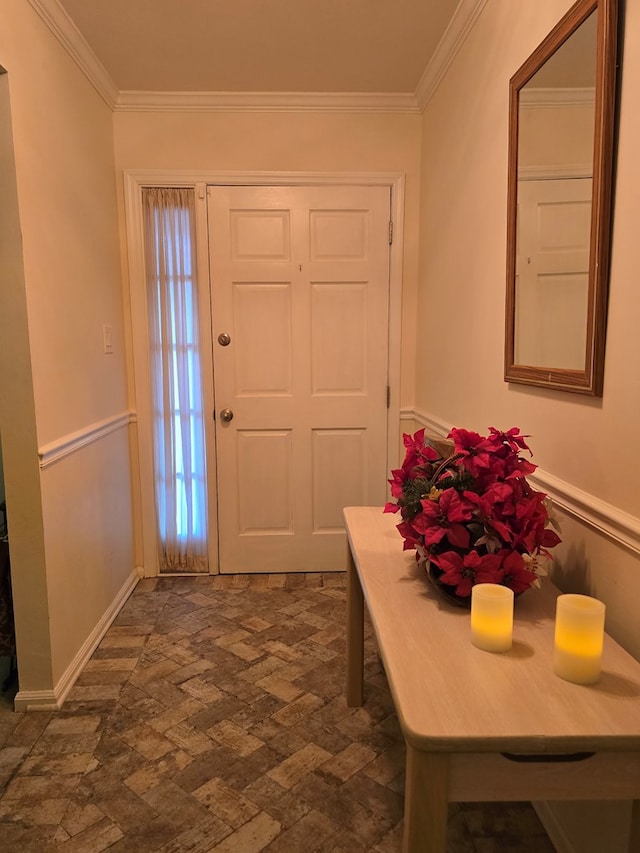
579,636
491,617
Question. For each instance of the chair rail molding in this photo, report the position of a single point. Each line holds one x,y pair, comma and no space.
619,526
68,444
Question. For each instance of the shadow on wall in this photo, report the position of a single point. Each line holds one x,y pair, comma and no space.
572,573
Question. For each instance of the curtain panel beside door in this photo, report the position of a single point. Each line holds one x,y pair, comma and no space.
176,385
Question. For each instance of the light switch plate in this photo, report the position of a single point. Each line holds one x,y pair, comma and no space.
107,339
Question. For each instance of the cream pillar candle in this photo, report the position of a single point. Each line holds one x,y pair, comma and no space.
579,636
491,617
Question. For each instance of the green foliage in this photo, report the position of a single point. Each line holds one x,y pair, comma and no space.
412,493
461,480
416,489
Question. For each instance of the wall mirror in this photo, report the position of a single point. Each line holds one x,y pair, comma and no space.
561,126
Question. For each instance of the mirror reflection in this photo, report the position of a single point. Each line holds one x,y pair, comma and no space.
561,126
555,180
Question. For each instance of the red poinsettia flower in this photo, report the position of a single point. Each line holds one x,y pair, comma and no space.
473,513
398,479
444,517
511,438
472,449
515,573
494,508
464,571
411,538
416,452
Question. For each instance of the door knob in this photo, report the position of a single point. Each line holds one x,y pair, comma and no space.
224,339
226,415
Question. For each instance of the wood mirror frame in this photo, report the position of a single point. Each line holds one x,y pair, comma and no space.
587,379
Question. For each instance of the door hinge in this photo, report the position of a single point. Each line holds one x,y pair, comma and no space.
390,231
388,396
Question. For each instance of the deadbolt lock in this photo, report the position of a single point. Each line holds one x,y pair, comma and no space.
224,339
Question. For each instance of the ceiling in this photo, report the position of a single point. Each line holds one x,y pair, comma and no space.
337,46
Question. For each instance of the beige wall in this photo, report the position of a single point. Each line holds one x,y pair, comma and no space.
202,142
462,279
555,136
459,374
18,427
589,444
71,286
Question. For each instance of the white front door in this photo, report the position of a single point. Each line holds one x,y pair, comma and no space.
552,271
300,289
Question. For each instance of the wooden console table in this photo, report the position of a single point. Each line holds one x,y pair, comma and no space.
480,726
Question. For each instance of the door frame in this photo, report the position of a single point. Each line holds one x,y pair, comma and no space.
134,296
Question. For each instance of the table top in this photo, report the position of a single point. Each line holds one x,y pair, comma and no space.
451,696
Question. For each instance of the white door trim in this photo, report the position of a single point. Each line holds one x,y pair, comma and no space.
134,295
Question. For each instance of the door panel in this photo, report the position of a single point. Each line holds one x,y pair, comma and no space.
260,235
262,324
265,502
339,465
552,271
300,282
338,234
338,358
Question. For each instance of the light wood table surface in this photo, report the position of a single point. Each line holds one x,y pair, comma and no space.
481,726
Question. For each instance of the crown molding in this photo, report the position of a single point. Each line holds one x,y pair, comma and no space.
70,37
363,102
454,36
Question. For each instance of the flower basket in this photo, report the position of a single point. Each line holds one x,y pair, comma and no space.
445,590
469,512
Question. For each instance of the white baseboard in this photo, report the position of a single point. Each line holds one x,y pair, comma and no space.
52,700
36,700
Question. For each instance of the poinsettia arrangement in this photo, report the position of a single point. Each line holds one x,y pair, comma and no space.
470,512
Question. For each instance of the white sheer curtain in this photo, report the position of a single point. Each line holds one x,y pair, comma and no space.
178,425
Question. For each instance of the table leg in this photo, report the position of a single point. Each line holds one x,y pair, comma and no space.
355,635
426,802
